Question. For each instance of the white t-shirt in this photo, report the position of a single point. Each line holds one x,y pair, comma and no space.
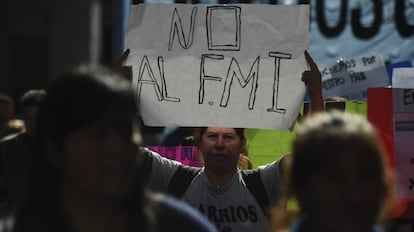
231,207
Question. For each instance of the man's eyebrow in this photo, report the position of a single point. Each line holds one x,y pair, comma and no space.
211,132
230,133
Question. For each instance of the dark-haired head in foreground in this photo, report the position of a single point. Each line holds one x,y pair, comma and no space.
86,173
339,173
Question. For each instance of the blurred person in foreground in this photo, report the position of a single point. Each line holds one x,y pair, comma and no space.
86,174
7,126
16,150
339,175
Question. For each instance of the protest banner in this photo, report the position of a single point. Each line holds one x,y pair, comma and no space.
218,65
392,66
403,77
350,77
391,111
186,155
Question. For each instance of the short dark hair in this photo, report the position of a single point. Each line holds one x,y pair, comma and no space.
201,130
79,97
344,146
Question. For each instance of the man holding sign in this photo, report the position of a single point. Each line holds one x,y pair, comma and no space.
232,199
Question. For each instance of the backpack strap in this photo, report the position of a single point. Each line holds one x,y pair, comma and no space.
255,185
145,160
181,179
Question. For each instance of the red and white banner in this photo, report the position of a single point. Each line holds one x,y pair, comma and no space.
391,110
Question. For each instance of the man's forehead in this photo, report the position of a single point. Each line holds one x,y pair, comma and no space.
220,130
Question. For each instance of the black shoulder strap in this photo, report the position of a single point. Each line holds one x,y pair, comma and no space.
181,179
145,161
255,185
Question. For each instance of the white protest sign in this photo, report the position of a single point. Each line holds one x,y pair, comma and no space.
403,78
351,77
218,65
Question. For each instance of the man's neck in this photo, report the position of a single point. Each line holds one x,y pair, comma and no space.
219,179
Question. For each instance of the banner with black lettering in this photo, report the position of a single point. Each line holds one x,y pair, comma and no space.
233,65
350,77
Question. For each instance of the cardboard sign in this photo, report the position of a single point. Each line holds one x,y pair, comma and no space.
218,65
391,110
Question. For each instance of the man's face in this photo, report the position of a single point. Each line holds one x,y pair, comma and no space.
221,148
